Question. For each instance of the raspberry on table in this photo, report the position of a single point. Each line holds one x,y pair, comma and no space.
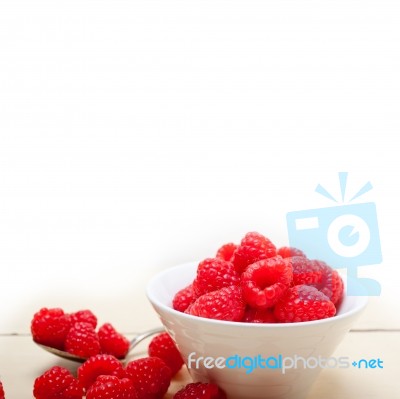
164,347
226,251
252,248
151,377
50,327
57,383
111,387
199,390
2,395
183,298
85,316
224,304
252,315
266,281
214,274
303,303
288,252
112,342
99,365
82,340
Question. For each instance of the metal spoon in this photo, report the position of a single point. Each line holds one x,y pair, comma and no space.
134,342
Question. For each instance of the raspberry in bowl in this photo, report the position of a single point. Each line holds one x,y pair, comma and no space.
262,330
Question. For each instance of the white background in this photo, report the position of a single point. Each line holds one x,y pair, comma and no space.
135,135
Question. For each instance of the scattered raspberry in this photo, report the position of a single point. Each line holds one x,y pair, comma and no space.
151,377
183,298
252,315
50,327
111,387
112,342
226,251
199,390
224,304
2,395
303,303
252,248
214,274
82,340
331,284
164,347
288,252
266,281
85,316
99,365
57,383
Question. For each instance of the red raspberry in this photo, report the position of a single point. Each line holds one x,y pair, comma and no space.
57,383
199,390
85,316
183,298
214,274
252,248
264,282
226,251
164,347
305,271
50,327
2,395
224,304
112,342
99,365
252,315
303,303
288,252
111,387
151,377
331,284
82,340
319,275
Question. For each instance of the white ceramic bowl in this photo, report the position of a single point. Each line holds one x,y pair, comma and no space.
198,337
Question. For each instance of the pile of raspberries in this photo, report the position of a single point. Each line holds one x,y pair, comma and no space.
255,282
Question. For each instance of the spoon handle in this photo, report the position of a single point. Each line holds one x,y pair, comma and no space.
139,338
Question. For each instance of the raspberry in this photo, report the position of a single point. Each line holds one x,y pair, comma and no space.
224,304
264,282
99,365
112,342
2,395
85,316
252,315
288,252
50,327
164,347
226,251
183,298
199,390
82,340
305,271
111,387
151,377
319,275
303,303
214,274
331,284
57,383
252,248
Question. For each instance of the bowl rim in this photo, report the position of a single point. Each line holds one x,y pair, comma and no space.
358,308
